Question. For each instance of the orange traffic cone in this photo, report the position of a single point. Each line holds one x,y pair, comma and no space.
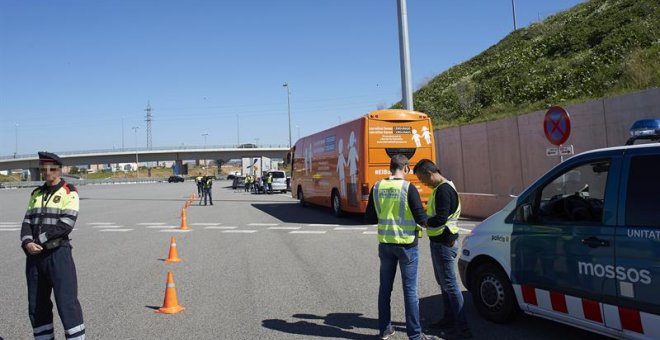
184,220
173,256
170,304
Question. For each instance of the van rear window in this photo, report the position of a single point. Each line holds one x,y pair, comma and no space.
278,174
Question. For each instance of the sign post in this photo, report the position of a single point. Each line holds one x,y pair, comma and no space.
557,129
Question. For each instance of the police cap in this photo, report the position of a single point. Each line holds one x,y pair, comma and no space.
49,157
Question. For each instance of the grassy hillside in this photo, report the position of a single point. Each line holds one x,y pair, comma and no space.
595,49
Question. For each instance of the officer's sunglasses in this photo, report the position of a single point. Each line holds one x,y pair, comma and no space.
46,168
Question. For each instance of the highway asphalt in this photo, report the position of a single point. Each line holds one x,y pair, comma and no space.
254,267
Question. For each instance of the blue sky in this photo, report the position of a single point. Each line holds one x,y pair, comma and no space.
72,71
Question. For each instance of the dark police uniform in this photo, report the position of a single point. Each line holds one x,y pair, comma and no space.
50,217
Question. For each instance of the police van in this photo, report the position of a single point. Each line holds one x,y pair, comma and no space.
580,246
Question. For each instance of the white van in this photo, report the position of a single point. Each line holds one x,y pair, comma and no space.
279,180
580,246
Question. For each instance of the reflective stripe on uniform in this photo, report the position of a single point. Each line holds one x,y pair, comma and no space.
75,330
397,232
45,337
43,328
81,337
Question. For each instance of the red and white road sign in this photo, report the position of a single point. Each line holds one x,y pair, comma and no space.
557,125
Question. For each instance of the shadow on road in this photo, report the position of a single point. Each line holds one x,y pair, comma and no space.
294,213
335,325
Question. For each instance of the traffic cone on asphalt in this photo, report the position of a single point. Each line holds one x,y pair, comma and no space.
173,255
184,220
170,304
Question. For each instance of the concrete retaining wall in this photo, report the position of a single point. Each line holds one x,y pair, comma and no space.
489,161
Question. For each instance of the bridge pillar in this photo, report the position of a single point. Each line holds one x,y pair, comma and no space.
35,174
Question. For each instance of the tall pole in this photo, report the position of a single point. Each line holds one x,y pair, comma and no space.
137,162
513,8
288,103
404,52
205,165
238,131
16,149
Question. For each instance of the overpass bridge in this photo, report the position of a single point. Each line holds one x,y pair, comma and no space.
176,154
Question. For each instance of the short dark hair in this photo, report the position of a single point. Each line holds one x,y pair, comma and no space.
398,162
426,166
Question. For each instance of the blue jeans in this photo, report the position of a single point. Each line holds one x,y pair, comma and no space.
443,258
408,260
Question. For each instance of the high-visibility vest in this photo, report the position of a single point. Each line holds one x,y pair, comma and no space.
269,179
46,215
396,224
452,219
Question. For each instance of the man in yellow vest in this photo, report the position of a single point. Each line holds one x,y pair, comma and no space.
395,205
443,210
51,215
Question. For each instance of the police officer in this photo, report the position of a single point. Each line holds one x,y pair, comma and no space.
397,208
443,210
50,217
269,182
208,185
198,181
248,182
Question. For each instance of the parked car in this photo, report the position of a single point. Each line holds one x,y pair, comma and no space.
175,179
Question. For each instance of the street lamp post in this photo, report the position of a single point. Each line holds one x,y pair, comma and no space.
288,103
513,8
16,149
404,51
137,161
205,165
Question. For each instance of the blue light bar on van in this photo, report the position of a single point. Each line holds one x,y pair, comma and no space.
644,129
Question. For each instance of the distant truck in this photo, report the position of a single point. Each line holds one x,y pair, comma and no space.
338,167
255,166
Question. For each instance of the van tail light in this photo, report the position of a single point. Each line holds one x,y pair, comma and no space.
365,191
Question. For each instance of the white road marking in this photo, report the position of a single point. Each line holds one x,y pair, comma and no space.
152,223
174,231
120,230
351,228
222,228
9,225
100,223
307,232
10,229
283,228
206,224
240,231
370,232
108,226
163,227
262,224
322,225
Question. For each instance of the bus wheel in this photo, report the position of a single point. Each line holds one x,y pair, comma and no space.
301,197
492,293
336,204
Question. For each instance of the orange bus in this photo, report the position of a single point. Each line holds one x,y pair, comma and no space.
337,167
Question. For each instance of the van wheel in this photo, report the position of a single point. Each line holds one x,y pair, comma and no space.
301,198
492,294
336,204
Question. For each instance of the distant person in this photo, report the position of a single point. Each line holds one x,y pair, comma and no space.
443,210
198,181
395,205
248,180
51,215
208,186
269,182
